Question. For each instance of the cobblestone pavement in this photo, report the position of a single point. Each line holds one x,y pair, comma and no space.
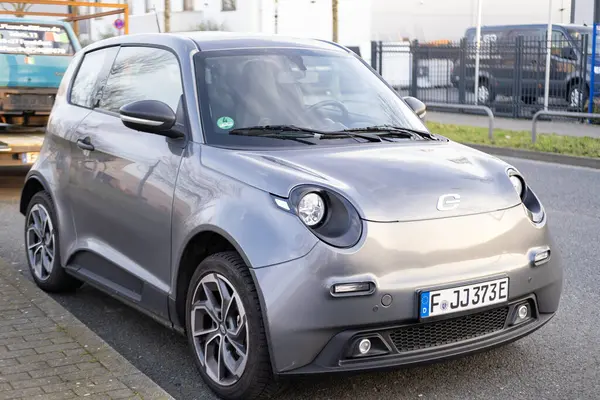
47,354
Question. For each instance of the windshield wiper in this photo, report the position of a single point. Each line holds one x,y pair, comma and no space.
293,131
395,130
294,135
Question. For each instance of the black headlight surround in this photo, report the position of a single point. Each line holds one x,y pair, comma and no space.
532,204
341,226
512,172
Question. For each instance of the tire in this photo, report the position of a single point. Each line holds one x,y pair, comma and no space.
487,88
257,380
575,91
56,279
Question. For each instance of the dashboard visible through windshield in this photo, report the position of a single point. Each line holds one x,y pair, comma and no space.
316,90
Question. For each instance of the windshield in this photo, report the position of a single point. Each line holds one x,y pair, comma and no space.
30,39
577,34
310,89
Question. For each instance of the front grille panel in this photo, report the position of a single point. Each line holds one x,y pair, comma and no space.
439,333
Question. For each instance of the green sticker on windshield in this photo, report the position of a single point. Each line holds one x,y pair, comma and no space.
225,123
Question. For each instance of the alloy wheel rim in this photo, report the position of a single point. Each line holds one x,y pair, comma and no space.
41,242
483,94
575,98
219,329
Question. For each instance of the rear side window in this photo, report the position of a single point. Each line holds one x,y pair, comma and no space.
91,76
142,73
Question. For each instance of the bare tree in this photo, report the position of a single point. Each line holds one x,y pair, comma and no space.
334,9
167,15
228,5
20,8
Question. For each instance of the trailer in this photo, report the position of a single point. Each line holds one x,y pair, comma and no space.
34,55
19,146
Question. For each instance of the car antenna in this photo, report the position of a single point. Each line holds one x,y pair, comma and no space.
156,15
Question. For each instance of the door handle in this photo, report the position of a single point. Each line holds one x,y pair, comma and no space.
85,144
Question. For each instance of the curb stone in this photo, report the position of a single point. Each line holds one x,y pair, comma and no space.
114,369
589,162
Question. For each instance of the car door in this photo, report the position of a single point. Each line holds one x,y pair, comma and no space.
562,65
123,180
530,64
89,73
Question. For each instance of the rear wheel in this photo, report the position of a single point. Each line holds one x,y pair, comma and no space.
485,93
577,96
42,246
225,330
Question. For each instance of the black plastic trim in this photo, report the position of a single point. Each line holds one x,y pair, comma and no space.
341,226
330,358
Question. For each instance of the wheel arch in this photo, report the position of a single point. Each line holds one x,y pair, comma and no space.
200,243
576,80
192,254
34,183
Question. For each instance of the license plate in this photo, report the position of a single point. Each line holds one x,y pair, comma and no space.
462,298
29,158
31,100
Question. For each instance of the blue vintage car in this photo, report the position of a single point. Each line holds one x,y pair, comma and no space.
34,54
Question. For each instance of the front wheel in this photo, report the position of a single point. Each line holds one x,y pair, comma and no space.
225,329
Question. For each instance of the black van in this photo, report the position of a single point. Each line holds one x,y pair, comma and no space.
514,66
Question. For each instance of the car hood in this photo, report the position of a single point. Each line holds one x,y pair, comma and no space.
385,182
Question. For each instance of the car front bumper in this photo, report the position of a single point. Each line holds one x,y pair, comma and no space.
310,330
415,344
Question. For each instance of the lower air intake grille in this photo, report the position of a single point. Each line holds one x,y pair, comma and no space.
448,331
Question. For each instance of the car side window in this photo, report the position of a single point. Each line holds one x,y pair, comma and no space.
142,73
91,76
559,42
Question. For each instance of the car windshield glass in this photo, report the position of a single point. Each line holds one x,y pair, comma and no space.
311,89
577,34
34,39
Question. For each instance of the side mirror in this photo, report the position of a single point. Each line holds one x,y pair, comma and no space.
417,106
150,116
568,53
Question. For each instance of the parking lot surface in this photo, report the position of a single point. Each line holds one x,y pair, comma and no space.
560,361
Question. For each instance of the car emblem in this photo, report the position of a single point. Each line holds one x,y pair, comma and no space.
448,202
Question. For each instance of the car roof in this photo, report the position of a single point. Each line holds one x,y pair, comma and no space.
232,40
218,40
39,21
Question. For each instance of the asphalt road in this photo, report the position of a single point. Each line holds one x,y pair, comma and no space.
560,361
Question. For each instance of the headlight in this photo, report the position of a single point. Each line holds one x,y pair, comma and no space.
532,204
311,209
327,214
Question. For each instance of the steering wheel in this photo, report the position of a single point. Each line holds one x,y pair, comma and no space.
335,103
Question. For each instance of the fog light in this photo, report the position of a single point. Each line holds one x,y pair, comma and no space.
523,312
368,346
364,346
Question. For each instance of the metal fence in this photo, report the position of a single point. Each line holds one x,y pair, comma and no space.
511,75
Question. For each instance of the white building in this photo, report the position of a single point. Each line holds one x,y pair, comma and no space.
428,20
371,19
360,21
582,11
